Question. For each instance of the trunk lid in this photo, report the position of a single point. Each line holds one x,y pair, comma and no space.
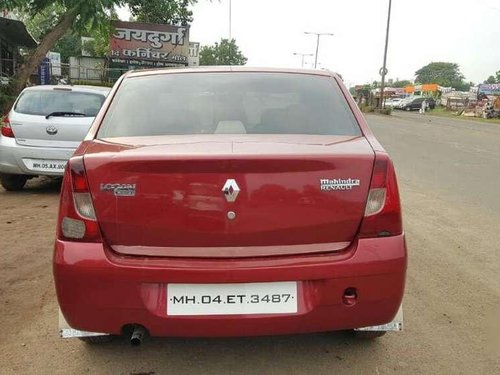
163,196
37,131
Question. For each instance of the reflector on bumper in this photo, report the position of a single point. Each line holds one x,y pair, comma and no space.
395,325
66,332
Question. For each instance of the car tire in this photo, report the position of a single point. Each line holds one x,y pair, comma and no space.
369,335
13,182
408,109
95,340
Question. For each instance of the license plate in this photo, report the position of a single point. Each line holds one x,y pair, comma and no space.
44,165
232,299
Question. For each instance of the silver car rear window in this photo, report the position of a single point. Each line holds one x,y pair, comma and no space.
44,102
228,103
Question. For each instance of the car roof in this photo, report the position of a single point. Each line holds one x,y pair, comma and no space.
77,88
219,69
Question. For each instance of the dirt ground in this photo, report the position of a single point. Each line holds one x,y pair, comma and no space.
449,177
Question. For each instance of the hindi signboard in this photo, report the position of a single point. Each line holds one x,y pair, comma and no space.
194,54
149,45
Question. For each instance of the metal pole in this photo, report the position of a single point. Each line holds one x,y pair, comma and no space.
384,68
303,55
318,35
317,49
230,14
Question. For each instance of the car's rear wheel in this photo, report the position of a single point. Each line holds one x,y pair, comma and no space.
13,182
369,335
408,109
92,340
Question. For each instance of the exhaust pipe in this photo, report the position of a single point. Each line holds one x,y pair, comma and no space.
137,335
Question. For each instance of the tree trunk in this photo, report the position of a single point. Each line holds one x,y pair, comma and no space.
48,41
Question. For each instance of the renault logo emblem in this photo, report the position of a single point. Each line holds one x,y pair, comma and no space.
51,130
231,190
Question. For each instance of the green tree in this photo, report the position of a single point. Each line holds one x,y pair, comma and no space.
443,73
491,79
74,15
99,46
174,12
463,86
226,52
71,43
61,21
96,47
402,83
43,21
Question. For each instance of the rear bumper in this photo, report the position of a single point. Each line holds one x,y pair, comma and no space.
99,291
12,154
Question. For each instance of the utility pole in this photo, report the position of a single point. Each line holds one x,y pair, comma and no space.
383,71
303,55
230,16
317,44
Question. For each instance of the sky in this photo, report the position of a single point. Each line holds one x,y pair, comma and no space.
269,31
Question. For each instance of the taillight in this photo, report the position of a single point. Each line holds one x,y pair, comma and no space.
383,209
77,220
6,128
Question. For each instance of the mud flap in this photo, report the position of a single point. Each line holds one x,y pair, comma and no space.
395,326
66,332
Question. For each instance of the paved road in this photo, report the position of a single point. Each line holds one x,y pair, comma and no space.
449,175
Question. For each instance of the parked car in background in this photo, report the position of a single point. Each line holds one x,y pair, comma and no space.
393,103
416,103
43,129
229,201
404,101
412,105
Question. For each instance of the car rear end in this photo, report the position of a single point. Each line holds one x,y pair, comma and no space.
229,203
43,129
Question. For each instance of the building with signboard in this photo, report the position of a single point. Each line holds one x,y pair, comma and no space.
194,54
136,45
489,89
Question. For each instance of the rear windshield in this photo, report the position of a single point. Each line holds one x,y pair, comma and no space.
44,102
228,103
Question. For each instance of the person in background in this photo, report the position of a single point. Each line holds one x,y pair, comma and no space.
423,107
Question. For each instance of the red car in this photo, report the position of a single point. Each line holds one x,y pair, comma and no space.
229,202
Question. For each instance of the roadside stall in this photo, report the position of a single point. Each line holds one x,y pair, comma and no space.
13,36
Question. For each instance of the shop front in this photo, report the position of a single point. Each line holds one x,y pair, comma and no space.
13,35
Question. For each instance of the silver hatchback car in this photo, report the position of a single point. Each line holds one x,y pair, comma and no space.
43,129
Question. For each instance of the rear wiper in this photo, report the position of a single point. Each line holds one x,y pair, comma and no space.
62,113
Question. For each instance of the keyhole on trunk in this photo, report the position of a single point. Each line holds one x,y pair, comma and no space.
231,215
